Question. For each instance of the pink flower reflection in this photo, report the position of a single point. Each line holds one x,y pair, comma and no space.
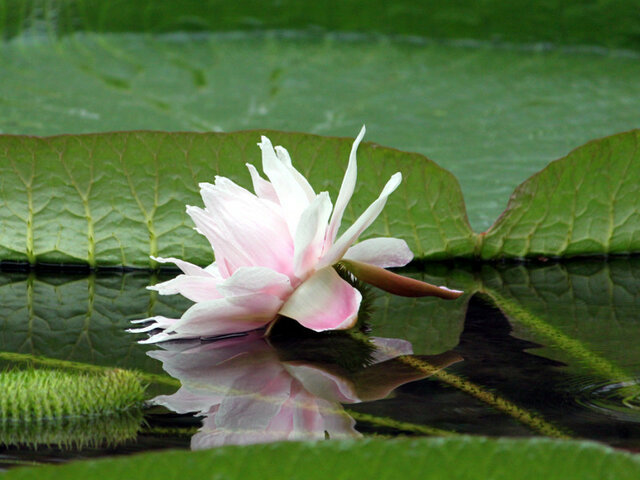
247,394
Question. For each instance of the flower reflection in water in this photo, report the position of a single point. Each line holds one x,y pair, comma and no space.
251,390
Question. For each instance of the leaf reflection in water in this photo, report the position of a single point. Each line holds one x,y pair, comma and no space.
251,390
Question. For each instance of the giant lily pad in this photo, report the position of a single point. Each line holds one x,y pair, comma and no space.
115,199
458,458
491,114
586,203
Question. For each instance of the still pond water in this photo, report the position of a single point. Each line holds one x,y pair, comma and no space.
537,349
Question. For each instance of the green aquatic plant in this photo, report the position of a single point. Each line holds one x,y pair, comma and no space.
69,408
74,433
33,395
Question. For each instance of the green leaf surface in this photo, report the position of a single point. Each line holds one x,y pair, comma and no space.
491,114
451,458
115,199
586,203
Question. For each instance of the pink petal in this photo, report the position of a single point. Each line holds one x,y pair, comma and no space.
230,366
335,421
384,252
337,251
257,227
221,317
323,384
247,280
324,302
397,284
243,229
247,407
388,348
309,239
263,188
186,401
195,288
346,189
226,253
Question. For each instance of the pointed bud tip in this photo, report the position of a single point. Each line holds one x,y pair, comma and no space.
397,284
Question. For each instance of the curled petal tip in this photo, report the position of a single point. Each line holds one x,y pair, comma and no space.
397,284
454,293
264,141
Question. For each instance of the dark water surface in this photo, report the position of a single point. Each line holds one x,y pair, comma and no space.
538,349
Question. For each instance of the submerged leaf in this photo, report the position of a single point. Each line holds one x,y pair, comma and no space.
84,318
80,318
587,314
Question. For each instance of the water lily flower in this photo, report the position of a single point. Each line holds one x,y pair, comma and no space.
274,255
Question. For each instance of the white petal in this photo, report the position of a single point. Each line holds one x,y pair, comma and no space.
195,288
226,315
156,322
256,227
186,267
292,196
346,189
284,157
337,251
214,271
310,236
384,252
248,280
324,302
